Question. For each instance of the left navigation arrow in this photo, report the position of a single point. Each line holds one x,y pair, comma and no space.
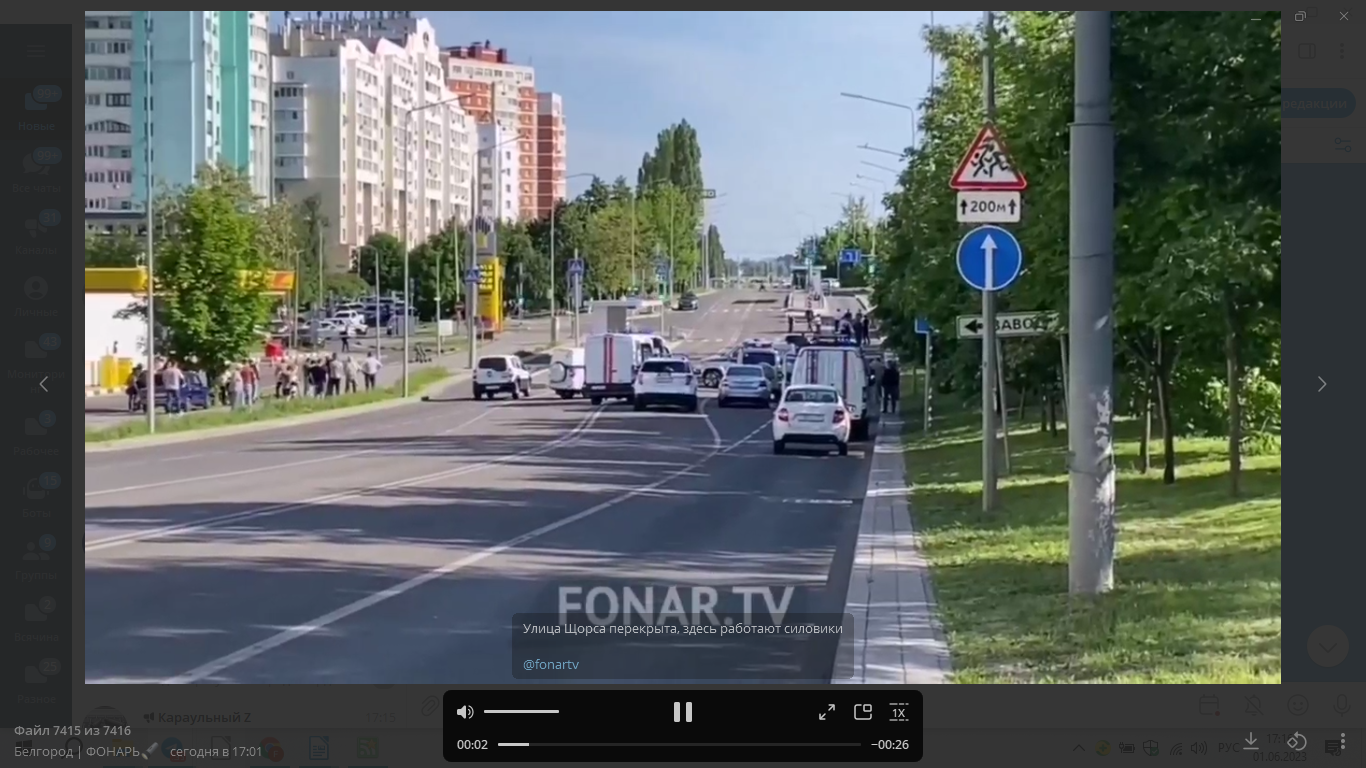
43,383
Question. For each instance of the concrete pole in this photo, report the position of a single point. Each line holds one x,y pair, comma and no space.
989,473
1091,287
407,215
438,285
554,321
150,399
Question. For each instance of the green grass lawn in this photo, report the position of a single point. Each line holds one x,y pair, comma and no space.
268,409
1197,595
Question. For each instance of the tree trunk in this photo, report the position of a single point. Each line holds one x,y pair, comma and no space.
1053,416
1235,391
1145,452
1162,370
1045,397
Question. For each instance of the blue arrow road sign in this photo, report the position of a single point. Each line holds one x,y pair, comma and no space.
576,266
472,275
850,256
990,258
922,326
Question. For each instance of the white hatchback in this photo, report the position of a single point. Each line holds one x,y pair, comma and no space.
666,381
811,415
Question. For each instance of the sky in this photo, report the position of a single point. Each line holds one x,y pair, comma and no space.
779,143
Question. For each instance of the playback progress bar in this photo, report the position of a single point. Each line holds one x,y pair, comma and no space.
771,745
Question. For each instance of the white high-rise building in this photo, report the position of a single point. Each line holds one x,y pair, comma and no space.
109,112
366,125
500,165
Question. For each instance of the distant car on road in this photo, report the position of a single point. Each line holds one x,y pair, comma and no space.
687,302
744,384
501,373
666,381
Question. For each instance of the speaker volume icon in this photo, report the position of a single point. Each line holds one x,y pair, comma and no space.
466,712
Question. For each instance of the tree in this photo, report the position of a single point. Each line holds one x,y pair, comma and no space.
120,249
211,274
388,251
1195,98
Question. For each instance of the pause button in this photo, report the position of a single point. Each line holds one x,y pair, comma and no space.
682,711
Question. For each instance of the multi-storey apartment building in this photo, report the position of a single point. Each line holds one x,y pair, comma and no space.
551,186
497,91
109,112
499,163
208,97
366,126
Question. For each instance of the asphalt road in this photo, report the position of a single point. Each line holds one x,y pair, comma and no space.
396,547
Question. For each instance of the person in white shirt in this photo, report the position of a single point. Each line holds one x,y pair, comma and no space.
370,369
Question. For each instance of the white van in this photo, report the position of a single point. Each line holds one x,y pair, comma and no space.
611,361
567,372
842,368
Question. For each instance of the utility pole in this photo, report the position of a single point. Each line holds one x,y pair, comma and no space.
150,398
374,252
989,297
1091,287
555,321
438,288
576,281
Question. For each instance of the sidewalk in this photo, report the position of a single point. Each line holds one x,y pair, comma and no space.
897,635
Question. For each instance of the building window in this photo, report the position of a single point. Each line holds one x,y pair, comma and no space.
118,99
92,99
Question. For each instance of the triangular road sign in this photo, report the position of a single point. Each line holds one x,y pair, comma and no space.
988,166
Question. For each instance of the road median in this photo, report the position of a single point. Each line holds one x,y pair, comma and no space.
1197,595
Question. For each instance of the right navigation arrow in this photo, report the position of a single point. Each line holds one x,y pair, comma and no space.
1322,383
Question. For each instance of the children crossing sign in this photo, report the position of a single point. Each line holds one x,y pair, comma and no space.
987,166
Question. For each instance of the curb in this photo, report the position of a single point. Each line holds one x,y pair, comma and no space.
102,391
898,638
191,435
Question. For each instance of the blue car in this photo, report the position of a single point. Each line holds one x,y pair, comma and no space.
195,394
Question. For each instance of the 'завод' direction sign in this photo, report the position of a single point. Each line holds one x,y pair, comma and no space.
1009,324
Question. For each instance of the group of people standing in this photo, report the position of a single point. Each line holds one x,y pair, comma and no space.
325,375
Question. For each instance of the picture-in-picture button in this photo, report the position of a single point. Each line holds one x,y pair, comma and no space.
1328,646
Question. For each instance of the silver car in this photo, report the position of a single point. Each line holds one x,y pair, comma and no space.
745,384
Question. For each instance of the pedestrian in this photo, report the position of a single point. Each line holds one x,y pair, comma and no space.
346,339
858,328
867,327
238,386
370,369
251,381
891,387
317,376
352,370
336,371
130,387
281,377
172,379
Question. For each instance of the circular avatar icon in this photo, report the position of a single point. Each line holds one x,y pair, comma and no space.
35,288
1102,748
47,418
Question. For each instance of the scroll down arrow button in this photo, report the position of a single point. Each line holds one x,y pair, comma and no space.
1322,383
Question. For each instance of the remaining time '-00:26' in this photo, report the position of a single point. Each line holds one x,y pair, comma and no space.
893,744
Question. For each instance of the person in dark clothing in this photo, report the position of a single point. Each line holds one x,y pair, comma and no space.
891,387
859,325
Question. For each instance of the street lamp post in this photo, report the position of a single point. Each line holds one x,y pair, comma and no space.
892,171
872,148
149,400
421,195
885,103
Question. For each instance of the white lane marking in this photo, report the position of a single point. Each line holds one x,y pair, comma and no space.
277,509
286,465
716,441
328,619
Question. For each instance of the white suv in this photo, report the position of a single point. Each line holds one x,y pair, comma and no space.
501,373
666,381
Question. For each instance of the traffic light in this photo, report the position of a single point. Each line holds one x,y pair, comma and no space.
354,266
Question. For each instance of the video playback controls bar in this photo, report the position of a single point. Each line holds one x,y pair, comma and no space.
522,724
